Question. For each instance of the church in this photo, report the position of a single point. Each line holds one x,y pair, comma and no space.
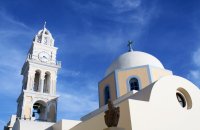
148,95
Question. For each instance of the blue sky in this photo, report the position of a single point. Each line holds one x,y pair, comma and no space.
90,34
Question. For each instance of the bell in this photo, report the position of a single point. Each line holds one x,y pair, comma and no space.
33,115
38,111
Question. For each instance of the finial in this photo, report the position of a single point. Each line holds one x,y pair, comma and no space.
130,45
45,24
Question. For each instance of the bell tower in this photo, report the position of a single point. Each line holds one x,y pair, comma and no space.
38,99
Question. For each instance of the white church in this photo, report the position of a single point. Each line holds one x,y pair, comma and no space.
149,96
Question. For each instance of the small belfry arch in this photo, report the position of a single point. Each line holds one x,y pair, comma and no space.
37,80
47,82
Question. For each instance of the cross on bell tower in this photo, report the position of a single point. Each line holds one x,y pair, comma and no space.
38,99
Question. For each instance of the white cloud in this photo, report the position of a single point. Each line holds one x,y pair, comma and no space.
2,123
13,35
126,5
196,57
130,19
69,73
194,74
75,103
131,11
9,22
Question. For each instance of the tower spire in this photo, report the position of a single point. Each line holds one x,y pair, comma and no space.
45,24
130,45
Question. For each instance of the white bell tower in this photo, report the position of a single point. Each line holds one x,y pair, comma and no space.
38,99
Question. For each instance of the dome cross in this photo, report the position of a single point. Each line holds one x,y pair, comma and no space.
130,45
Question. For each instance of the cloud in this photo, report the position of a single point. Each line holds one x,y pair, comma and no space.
2,123
12,53
75,103
194,74
123,20
134,12
126,5
69,73
14,35
9,19
196,57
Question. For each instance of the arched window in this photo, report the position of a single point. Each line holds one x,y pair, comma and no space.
36,81
134,84
46,88
106,95
181,99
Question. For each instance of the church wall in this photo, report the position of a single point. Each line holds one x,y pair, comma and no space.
157,73
163,111
97,122
31,125
64,125
123,77
108,81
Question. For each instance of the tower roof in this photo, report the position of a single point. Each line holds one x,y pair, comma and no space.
44,31
44,36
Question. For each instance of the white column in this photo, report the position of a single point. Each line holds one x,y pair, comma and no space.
30,82
51,86
42,77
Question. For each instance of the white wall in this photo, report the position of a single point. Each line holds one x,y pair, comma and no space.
163,111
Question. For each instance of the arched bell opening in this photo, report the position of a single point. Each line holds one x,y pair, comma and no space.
37,80
47,80
39,111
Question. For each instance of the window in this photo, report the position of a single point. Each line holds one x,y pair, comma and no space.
46,88
181,99
106,94
134,84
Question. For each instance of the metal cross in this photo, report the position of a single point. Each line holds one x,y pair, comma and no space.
130,45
